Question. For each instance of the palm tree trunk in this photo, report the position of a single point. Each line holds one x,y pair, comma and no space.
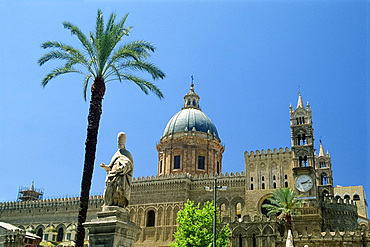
288,219
97,93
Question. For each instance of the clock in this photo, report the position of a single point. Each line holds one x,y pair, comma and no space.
303,183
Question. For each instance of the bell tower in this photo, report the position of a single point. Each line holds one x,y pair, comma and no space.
324,174
303,151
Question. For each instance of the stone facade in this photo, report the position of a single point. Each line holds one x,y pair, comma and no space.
189,158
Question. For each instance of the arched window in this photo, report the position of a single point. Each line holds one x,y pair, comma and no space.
201,162
176,162
273,177
251,186
322,164
305,161
251,179
150,218
263,178
238,210
286,176
40,232
274,185
356,197
337,197
286,184
324,179
193,102
60,235
346,197
263,186
222,210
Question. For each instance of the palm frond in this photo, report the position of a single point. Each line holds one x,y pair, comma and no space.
56,72
86,83
154,71
144,85
81,37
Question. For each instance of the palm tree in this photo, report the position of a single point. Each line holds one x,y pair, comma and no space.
100,61
284,201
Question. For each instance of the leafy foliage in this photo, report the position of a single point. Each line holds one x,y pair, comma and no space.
101,59
196,227
285,201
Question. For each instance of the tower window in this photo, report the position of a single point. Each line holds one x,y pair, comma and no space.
193,102
263,186
273,177
218,167
176,162
188,102
286,176
201,162
286,184
324,179
160,167
356,197
263,178
251,179
303,161
238,210
150,218
251,186
322,164
274,185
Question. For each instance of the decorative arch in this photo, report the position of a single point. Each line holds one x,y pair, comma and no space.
168,218
238,236
223,205
160,216
267,230
132,214
140,216
150,218
176,209
346,196
40,231
324,178
252,235
61,229
234,204
356,196
337,196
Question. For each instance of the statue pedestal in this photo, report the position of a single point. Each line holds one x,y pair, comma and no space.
112,228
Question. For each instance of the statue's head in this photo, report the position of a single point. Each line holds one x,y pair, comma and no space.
121,140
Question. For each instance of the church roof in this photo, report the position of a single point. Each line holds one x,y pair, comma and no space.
190,118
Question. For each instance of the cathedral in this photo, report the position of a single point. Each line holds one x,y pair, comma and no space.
189,159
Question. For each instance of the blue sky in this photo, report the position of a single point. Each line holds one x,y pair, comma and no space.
248,58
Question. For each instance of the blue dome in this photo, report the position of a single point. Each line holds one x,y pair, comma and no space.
189,118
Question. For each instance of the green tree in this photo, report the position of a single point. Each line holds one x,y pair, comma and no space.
284,201
102,59
195,227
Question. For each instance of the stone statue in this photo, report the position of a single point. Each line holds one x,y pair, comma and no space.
119,176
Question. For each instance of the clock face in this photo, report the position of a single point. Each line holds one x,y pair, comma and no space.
303,183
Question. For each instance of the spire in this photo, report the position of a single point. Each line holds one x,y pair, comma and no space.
300,102
191,99
32,186
321,153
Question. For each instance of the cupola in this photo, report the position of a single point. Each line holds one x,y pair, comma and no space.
190,142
